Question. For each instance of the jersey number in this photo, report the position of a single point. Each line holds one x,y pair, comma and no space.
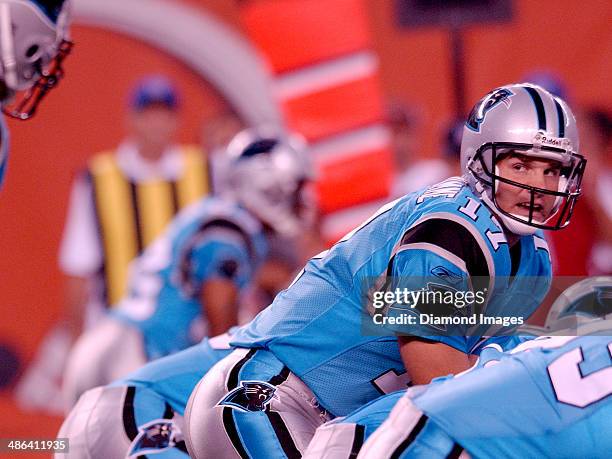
391,381
571,387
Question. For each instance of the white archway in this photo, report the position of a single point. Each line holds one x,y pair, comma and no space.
212,49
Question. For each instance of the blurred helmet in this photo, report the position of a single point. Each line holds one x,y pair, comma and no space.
581,303
528,120
266,173
33,44
584,308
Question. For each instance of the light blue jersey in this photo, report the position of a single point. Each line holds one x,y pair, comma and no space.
546,397
211,239
315,326
549,397
4,147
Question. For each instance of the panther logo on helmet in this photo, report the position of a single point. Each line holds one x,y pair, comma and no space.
589,298
491,100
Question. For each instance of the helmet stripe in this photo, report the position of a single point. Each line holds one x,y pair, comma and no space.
51,8
539,106
561,118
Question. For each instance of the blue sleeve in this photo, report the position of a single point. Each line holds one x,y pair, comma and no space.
432,286
215,257
4,148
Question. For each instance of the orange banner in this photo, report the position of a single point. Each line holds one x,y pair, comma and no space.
297,33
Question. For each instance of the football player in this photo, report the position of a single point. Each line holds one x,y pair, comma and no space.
306,358
198,268
548,397
142,413
33,44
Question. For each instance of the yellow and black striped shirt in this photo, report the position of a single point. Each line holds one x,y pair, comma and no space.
132,214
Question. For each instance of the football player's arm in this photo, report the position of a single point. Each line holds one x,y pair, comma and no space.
425,360
221,266
447,247
220,299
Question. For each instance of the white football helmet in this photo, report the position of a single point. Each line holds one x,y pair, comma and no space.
266,172
525,119
33,44
584,308
584,301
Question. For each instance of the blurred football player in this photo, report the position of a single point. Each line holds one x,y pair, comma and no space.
142,413
33,44
198,268
305,359
548,397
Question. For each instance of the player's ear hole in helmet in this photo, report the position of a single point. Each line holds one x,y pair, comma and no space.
33,45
